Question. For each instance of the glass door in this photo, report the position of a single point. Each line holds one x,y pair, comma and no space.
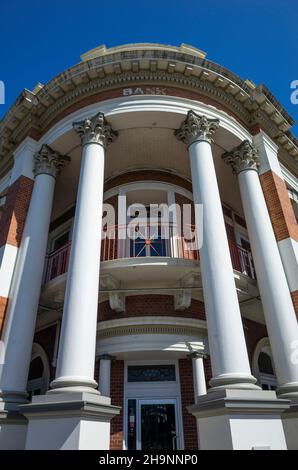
157,425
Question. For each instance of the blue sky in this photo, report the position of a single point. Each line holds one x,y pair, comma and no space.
255,39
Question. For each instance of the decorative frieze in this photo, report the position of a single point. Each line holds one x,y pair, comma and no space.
48,161
241,158
95,130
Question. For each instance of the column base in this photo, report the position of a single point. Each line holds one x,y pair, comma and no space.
73,384
288,390
234,419
69,421
13,429
234,381
290,423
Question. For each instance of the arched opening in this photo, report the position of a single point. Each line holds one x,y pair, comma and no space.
39,372
263,366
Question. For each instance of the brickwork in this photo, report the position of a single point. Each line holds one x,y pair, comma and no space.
187,399
3,310
46,339
15,211
208,370
117,398
150,305
253,333
295,301
279,206
118,92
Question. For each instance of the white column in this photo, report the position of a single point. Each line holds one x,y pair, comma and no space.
122,223
27,279
276,299
174,240
75,366
104,382
228,351
199,380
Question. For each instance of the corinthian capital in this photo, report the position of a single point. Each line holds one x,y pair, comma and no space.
196,128
243,157
95,130
48,161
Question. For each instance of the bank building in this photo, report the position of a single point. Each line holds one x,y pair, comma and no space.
118,329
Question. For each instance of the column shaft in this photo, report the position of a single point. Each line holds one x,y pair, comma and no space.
104,382
75,366
27,279
227,345
279,313
199,377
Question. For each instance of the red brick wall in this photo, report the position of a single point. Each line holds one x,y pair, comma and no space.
13,221
279,206
15,211
118,92
46,339
96,370
187,398
117,398
3,310
295,301
208,370
253,333
147,305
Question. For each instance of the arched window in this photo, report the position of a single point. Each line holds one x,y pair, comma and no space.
39,372
263,367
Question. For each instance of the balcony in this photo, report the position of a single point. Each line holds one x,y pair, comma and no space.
150,242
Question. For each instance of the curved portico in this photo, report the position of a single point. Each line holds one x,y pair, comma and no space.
129,308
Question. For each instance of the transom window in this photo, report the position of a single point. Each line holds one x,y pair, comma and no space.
153,373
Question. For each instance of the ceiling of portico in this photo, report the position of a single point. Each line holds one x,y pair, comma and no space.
143,148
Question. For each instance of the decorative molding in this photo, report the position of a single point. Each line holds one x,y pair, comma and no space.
116,299
196,128
198,354
148,329
241,158
182,299
49,162
106,357
95,130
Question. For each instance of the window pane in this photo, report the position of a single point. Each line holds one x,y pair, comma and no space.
265,364
151,373
36,369
61,241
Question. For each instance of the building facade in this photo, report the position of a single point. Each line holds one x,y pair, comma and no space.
148,249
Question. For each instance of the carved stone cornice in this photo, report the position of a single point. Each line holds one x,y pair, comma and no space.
35,112
241,158
95,130
196,128
48,161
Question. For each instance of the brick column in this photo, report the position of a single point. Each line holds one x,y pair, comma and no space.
274,290
187,399
117,399
280,210
13,218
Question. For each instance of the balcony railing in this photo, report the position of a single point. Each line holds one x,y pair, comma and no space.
147,241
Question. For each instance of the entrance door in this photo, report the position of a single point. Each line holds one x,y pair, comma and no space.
157,425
